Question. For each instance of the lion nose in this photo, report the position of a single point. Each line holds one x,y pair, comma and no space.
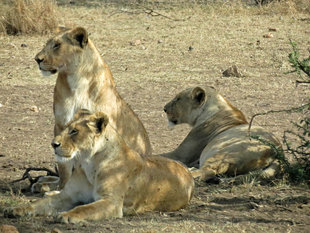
38,59
55,144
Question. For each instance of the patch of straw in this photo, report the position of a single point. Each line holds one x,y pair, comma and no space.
28,16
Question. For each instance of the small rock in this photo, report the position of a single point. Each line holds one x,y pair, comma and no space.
8,229
34,108
56,230
135,43
24,45
232,72
190,48
268,35
1,105
272,29
160,41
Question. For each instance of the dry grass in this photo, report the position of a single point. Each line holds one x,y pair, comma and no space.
285,7
28,16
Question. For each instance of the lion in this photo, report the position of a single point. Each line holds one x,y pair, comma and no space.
219,141
85,81
109,178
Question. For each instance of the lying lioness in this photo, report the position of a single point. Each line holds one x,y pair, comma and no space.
218,142
108,177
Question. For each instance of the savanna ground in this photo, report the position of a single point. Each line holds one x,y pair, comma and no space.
152,58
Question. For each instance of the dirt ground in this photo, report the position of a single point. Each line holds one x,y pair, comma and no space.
152,57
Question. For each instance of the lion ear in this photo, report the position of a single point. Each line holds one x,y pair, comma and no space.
78,36
99,121
80,113
198,95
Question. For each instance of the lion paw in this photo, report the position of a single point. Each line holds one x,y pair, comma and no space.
18,212
68,218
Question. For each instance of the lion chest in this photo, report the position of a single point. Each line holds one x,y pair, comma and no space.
66,106
89,170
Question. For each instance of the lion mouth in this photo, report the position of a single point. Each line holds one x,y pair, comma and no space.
174,122
53,71
63,158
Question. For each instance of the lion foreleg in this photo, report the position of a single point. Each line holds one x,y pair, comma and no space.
45,206
100,209
65,172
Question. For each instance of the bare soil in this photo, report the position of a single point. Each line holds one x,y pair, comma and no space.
152,57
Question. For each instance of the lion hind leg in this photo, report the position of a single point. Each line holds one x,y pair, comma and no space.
270,171
212,167
203,173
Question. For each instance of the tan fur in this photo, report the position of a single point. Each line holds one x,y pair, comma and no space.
85,81
109,178
218,142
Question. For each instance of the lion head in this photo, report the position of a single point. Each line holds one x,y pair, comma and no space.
195,105
80,135
62,52
185,106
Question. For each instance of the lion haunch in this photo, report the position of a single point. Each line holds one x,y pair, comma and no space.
109,178
218,142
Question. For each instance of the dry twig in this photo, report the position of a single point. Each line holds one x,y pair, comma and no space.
33,180
296,109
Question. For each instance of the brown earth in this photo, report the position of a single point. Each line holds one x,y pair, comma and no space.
152,58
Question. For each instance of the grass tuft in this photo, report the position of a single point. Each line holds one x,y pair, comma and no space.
28,16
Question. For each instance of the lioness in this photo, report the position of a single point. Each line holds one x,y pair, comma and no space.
219,140
109,178
85,81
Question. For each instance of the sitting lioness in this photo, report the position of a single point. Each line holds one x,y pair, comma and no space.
218,142
108,177
85,81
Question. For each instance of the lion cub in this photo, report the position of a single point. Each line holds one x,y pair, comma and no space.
108,177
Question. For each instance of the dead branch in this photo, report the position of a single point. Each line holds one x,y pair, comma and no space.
300,82
33,180
296,109
148,11
151,12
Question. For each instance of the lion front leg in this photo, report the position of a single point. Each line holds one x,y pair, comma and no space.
94,211
45,206
65,172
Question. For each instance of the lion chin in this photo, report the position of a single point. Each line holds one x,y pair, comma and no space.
171,125
62,159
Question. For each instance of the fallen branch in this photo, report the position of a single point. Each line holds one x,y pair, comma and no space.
33,180
148,11
296,109
151,12
300,81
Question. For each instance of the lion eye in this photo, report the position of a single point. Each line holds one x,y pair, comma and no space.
56,46
73,132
